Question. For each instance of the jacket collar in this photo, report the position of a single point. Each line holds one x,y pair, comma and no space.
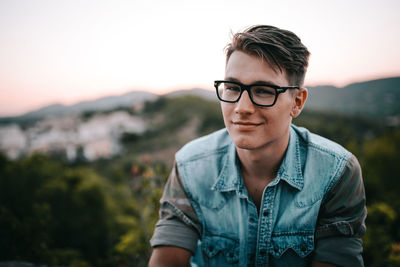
291,167
230,178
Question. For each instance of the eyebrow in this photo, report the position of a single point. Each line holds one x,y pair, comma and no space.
256,82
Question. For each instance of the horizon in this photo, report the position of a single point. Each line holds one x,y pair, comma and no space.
68,52
161,94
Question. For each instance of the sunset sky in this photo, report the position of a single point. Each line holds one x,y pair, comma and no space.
67,51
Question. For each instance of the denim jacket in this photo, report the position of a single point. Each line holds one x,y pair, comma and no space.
284,230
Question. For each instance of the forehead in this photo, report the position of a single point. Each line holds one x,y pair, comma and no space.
249,69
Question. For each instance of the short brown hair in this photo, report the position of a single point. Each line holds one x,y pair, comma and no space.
282,49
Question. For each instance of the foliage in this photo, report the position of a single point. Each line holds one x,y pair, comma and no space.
378,240
48,212
381,168
59,215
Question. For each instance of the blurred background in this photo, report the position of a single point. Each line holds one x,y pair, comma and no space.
97,96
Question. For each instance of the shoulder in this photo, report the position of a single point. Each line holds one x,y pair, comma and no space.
215,143
323,161
321,145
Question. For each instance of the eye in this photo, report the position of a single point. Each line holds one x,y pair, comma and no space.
263,91
232,87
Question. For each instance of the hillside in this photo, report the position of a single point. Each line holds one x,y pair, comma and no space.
377,98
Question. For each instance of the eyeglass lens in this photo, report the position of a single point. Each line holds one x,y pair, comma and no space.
261,94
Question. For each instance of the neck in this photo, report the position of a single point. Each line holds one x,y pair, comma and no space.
263,163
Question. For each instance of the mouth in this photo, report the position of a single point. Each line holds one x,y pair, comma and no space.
245,125
249,123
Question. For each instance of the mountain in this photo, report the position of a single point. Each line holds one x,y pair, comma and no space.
376,98
101,104
206,94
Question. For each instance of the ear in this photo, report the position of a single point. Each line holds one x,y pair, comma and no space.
299,99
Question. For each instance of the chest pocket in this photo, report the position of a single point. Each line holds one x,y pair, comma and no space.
292,249
220,251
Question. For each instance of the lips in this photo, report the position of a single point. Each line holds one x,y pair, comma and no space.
245,126
246,123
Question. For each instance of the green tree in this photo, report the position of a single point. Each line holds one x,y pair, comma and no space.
381,168
50,213
146,185
378,239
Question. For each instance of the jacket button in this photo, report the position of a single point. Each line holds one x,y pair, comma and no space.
303,248
262,251
251,220
265,213
276,249
211,248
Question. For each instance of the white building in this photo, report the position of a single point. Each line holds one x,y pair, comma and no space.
98,137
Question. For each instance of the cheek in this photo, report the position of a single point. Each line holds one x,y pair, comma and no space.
226,109
277,118
285,109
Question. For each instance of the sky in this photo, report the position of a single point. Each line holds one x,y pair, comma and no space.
54,51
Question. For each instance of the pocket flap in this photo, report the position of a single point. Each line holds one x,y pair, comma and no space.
301,243
212,245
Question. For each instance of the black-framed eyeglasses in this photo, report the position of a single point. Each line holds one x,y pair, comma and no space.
261,94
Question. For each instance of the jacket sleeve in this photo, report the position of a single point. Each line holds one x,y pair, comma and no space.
178,224
341,220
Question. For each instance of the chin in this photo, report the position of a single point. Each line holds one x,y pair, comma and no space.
246,143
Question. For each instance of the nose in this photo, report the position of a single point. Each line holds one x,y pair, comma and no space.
244,105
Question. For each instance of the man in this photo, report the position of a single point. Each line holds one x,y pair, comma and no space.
262,192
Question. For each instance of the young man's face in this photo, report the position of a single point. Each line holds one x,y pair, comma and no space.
251,126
